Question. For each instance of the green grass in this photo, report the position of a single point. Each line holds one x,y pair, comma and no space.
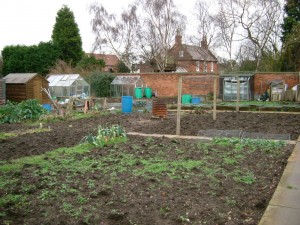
40,160
67,173
4,136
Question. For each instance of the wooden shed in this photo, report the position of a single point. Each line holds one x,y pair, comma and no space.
24,86
2,92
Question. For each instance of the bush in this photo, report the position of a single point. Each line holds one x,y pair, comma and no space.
100,84
18,112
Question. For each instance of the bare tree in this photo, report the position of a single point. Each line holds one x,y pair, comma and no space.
259,21
117,34
205,23
227,31
162,21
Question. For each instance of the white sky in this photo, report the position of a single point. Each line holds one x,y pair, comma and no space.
28,22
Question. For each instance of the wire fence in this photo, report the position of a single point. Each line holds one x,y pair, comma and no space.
243,134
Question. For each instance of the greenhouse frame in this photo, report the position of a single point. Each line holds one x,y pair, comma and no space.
229,86
125,85
68,85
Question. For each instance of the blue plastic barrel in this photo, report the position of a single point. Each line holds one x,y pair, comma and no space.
48,107
196,100
126,104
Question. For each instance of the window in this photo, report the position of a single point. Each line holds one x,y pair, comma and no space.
197,66
180,54
205,67
212,67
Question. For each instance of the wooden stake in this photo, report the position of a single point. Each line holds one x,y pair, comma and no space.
179,106
215,99
238,94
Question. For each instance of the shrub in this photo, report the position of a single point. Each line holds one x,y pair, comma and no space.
100,84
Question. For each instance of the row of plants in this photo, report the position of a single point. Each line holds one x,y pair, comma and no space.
14,112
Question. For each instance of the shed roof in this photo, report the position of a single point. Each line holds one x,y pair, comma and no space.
65,80
19,78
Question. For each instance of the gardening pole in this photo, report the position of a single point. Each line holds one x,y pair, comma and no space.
238,94
215,99
179,105
49,96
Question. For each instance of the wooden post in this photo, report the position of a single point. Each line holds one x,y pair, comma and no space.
238,94
215,99
179,106
86,106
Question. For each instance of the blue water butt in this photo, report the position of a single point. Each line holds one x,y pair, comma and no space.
196,100
48,107
126,104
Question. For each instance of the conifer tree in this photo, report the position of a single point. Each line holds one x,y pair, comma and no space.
66,36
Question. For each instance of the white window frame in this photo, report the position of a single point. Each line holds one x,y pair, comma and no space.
197,66
205,66
181,54
211,66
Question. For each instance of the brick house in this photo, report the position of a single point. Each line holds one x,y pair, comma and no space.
191,58
111,61
185,58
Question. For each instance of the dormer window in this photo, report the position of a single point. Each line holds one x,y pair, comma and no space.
212,67
180,54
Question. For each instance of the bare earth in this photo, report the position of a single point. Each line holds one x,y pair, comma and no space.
159,199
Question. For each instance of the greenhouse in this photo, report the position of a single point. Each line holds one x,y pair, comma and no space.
229,87
68,85
125,85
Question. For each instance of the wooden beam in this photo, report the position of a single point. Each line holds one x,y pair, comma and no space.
179,106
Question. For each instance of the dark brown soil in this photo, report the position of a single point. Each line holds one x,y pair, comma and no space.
70,133
116,197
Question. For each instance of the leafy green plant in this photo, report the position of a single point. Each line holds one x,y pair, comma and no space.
108,135
244,177
19,112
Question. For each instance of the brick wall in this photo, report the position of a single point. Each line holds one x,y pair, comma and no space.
166,84
261,80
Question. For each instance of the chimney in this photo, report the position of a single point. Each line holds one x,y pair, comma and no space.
204,43
178,38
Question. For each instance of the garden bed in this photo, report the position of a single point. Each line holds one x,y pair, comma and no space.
145,180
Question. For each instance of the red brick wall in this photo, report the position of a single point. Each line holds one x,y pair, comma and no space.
261,80
166,84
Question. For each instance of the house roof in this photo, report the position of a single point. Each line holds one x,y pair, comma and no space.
110,60
19,78
199,53
65,80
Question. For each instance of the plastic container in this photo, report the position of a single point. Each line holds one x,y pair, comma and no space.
48,107
138,92
186,99
148,92
126,104
196,100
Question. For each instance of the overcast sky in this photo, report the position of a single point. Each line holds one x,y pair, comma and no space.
28,22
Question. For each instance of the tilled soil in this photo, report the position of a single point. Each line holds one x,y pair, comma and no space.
69,133
217,194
